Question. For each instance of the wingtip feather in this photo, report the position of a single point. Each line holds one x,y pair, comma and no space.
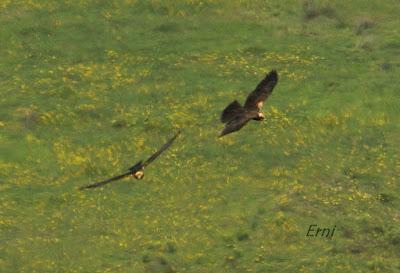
272,75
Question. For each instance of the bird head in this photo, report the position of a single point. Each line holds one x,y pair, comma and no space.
138,174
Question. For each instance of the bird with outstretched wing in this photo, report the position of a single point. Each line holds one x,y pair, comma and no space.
235,116
137,170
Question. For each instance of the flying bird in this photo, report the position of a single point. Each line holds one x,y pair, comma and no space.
236,116
137,170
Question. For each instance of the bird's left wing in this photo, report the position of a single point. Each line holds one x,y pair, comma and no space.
256,98
161,150
102,183
235,125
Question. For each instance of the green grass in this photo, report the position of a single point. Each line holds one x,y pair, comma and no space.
90,87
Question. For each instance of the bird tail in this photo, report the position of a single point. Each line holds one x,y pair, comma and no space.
231,111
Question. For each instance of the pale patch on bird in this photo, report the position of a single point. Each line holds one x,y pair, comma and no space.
138,174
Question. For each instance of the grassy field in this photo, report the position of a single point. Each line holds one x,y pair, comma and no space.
90,87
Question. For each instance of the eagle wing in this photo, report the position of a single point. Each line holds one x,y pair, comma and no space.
137,167
161,150
233,110
256,99
102,183
235,125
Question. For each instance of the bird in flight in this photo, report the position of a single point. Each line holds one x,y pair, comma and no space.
137,170
236,116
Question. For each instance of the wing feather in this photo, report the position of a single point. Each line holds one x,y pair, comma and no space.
231,111
161,150
256,98
235,125
102,183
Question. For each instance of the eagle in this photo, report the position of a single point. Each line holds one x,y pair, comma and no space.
137,170
236,116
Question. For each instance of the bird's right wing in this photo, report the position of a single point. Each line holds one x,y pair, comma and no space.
256,99
161,150
102,183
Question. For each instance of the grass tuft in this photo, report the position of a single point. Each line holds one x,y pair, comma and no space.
363,24
311,11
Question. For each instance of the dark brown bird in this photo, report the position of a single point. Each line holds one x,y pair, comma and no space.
137,170
236,116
